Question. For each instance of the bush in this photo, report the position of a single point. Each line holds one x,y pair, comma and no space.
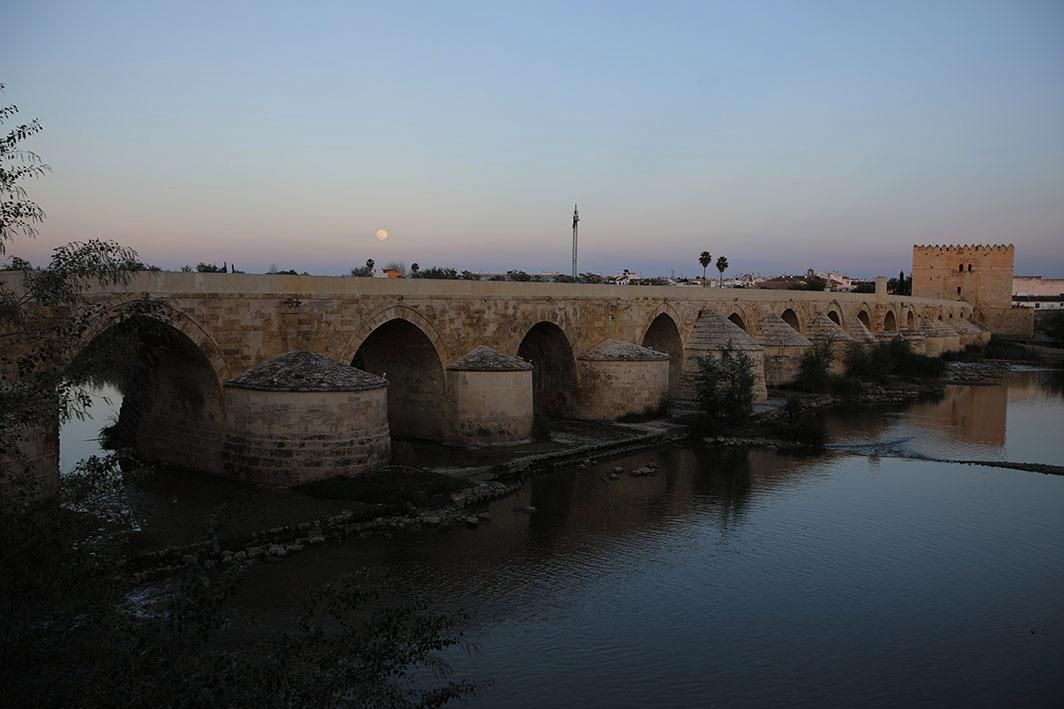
999,348
846,387
1053,326
439,273
879,362
814,373
725,386
71,633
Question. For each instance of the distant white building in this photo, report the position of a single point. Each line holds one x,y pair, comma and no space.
1037,292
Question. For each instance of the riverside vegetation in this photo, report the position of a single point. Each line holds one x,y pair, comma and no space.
74,630
887,372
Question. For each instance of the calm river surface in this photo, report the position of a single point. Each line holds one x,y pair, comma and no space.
753,577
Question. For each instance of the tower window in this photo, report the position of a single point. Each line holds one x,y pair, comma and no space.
958,290
960,269
969,268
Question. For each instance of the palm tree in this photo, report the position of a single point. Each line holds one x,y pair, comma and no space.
705,259
722,266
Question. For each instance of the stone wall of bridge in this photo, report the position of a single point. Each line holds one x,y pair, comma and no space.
242,320
409,331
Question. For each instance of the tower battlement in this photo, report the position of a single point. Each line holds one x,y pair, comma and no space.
963,249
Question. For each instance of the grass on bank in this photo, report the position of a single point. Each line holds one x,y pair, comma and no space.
393,486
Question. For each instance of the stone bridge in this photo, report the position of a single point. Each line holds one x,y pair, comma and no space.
413,333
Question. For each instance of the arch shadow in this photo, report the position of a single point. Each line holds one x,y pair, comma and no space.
663,335
791,318
406,356
173,407
890,323
547,348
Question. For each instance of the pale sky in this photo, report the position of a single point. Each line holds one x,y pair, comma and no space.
782,135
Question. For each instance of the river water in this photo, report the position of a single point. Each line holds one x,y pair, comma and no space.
867,575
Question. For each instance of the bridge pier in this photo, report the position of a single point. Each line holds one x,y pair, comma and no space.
302,417
618,379
784,347
491,399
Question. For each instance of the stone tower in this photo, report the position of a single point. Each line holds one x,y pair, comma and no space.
977,274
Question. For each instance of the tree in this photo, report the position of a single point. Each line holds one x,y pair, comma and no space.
202,267
363,271
722,266
439,273
19,215
900,285
705,259
68,634
520,276
414,268
725,386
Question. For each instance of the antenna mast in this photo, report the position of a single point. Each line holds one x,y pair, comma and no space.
576,224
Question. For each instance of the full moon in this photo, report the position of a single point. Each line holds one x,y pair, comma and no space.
382,234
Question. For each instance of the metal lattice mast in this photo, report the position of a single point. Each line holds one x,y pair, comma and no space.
576,223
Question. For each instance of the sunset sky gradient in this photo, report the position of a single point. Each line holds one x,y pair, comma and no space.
783,135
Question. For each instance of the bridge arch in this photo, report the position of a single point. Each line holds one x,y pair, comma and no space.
910,319
835,313
663,335
395,312
173,407
165,314
739,320
790,317
546,346
399,350
890,323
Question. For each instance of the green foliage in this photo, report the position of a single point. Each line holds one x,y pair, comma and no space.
390,486
901,285
19,215
704,259
439,273
202,267
44,324
864,288
725,385
814,372
469,276
886,359
519,276
999,348
591,278
847,387
564,278
71,636
364,271
1053,325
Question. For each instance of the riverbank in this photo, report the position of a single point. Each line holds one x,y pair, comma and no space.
444,486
